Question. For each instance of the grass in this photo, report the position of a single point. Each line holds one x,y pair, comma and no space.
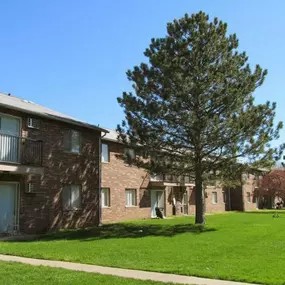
234,246
19,274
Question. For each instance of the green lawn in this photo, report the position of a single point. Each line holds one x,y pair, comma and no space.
235,246
19,274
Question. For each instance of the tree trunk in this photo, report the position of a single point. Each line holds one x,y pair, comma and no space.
199,196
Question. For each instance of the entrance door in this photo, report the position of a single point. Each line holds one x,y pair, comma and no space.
8,207
9,139
185,202
157,200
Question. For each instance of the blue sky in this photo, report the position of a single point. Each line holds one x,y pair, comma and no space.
72,55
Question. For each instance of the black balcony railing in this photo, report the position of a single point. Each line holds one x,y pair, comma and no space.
171,179
21,150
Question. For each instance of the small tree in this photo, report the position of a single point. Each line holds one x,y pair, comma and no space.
192,110
272,184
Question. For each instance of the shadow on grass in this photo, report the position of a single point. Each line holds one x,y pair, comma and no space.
267,212
123,230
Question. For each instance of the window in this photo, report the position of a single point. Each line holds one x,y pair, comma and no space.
214,197
224,196
248,197
71,197
131,197
33,123
105,197
72,141
130,153
105,152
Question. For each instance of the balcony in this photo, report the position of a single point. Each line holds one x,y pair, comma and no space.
171,179
18,154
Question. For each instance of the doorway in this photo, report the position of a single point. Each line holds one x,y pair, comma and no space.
8,207
157,200
9,139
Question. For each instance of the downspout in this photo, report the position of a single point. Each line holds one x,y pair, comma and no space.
100,178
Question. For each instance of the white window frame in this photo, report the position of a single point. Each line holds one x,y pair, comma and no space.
214,195
68,141
68,205
131,202
105,191
105,152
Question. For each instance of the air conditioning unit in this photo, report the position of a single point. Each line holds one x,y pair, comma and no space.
33,123
31,188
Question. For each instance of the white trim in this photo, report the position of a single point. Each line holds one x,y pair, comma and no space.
21,169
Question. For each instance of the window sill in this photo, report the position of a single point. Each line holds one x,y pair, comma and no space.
106,207
214,203
131,206
105,162
72,210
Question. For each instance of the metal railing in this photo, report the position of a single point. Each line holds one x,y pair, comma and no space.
171,179
21,150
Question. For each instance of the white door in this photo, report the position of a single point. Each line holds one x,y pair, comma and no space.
157,200
8,202
9,139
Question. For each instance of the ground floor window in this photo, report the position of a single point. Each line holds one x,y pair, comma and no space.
105,196
131,197
71,197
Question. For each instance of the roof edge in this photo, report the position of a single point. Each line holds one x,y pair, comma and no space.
57,118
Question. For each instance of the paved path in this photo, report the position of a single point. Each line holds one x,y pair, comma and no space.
126,273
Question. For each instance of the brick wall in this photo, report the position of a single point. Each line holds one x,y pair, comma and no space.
42,211
249,187
118,176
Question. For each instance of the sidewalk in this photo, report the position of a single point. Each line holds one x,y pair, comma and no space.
126,273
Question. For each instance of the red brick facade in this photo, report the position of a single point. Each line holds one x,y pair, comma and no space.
118,176
42,210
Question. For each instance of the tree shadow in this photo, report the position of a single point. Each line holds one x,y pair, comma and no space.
266,212
123,230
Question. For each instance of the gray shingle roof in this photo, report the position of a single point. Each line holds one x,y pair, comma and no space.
112,135
19,104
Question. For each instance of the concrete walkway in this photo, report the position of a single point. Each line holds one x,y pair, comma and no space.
126,273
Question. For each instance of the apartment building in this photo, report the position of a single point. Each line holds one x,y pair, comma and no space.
131,193
49,169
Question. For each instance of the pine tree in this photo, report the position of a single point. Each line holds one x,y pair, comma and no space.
192,110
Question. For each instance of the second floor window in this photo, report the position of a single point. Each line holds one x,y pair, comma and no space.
130,153
72,141
105,152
